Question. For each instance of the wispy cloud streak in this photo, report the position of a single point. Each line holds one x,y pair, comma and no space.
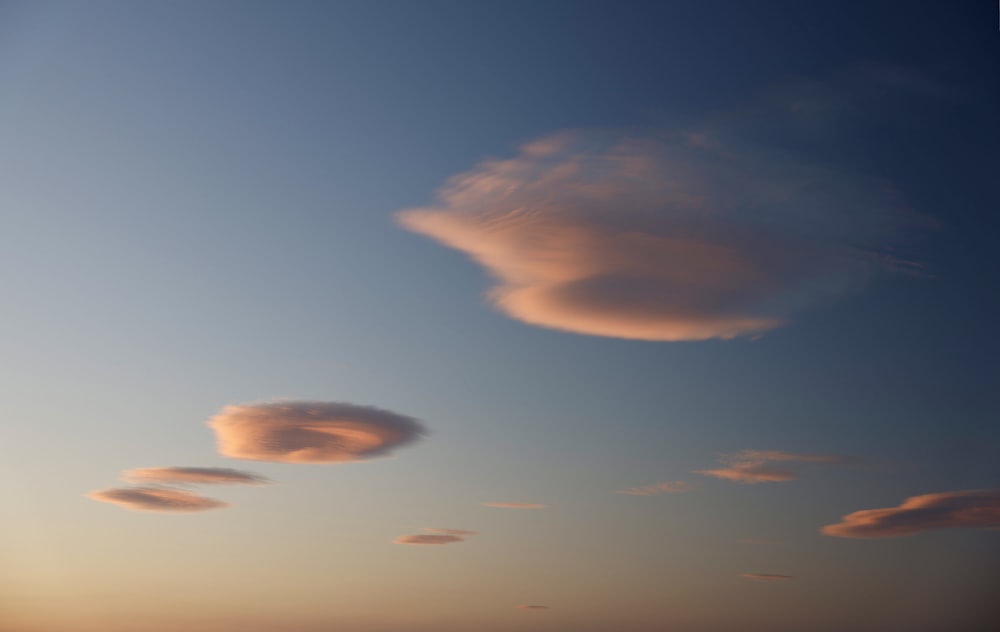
917,514
766,577
436,536
669,487
193,476
753,466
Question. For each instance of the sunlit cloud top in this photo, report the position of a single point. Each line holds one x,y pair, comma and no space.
311,432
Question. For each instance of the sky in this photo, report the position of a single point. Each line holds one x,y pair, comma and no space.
562,316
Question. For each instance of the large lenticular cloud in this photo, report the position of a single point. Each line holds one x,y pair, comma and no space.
311,432
948,510
159,499
661,236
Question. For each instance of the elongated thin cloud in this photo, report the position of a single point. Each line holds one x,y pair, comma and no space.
428,539
514,505
667,235
674,487
948,510
311,432
532,607
753,466
436,536
193,476
766,577
159,499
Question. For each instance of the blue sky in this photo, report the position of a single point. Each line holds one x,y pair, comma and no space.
201,203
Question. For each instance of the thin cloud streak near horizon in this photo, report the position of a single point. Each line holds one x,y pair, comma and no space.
766,577
502,505
450,531
917,514
668,487
311,432
435,536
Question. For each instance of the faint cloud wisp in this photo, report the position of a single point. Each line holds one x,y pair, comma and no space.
193,476
753,466
766,577
514,505
674,487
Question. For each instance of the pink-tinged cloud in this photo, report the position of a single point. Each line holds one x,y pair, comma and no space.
514,505
766,577
532,607
160,499
948,510
436,535
663,236
311,432
674,487
432,539
450,531
192,476
752,466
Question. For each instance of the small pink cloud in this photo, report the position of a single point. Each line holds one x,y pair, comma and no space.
752,466
515,505
311,432
192,476
532,607
436,536
766,577
160,499
675,487
948,510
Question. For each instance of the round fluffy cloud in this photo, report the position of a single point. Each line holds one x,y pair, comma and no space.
160,499
311,432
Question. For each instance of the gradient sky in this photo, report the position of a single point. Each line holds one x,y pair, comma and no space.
211,204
